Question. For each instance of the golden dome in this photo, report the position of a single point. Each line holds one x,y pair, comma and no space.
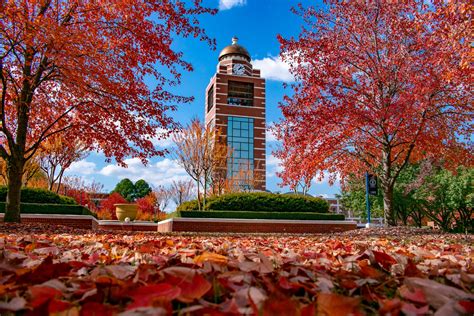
234,49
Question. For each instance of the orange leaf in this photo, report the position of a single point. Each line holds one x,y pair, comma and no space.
336,305
213,257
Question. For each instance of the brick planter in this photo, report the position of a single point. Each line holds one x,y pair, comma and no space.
217,225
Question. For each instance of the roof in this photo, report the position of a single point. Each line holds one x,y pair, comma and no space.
234,49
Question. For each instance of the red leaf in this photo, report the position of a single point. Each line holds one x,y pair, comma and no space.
42,294
410,309
278,306
192,285
411,270
468,306
384,260
57,306
96,309
416,296
147,295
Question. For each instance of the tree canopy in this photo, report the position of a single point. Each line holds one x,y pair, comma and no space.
80,66
379,84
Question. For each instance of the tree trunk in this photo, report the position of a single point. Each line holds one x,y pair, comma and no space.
198,195
388,207
205,192
12,207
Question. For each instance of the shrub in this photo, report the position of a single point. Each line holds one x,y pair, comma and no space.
39,208
147,204
261,202
262,215
107,205
36,195
81,197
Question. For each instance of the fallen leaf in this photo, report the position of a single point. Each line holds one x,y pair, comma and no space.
331,304
437,294
14,305
212,257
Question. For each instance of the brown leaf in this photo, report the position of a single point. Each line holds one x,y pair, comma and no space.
331,304
437,294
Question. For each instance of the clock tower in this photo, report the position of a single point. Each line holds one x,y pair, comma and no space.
235,105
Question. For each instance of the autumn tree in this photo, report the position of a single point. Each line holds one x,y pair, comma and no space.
82,191
378,86
181,191
199,151
163,197
31,172
56,155
80,66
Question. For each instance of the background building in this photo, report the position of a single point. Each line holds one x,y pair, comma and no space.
235,104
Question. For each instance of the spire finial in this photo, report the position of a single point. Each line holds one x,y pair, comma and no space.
234,40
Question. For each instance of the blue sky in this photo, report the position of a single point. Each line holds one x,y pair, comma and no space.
256,23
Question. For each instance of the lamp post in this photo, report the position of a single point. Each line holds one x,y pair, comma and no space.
370,189
367,200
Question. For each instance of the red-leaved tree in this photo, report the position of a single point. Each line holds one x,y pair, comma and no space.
81,66
108,205
379,84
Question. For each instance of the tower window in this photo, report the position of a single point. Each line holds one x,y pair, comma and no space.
210,98
240,165
240,93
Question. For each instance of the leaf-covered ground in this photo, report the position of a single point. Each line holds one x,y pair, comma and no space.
64,271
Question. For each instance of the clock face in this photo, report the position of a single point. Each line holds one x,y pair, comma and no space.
238,69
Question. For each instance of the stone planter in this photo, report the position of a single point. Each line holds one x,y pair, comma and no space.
126,210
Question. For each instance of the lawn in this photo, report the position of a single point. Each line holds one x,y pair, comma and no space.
50,269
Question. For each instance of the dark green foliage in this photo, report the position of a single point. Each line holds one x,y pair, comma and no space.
35,195
261,202
142,189
125,188
261,215
131,191
43,208
424,190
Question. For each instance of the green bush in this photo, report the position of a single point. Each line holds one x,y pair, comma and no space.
262,215
37,208
35,195
261,202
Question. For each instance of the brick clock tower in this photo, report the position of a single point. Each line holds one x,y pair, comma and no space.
235,104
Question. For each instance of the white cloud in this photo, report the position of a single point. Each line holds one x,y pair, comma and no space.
163,139
229,4
269,136
163,172
325,179
82,167
273,68
273,166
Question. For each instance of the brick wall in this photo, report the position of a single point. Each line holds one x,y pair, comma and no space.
84,222
238,226
195,225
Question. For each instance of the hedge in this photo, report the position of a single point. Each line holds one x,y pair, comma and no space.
261,215
37,208
42,196
261,202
